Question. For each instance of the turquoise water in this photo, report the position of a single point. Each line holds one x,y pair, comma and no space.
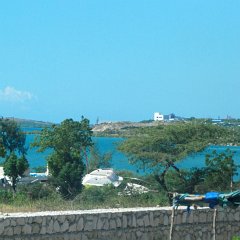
104,144
119,160
198,160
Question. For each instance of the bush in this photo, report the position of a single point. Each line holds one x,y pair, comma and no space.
6,196
97,195
37,191
108,197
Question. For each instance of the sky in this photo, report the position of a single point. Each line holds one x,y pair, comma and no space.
119,60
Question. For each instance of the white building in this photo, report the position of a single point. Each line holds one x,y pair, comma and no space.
158,116
101,177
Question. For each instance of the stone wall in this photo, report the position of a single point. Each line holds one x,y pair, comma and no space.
136,223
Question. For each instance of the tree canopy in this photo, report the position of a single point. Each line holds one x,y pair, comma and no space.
12,137
12,147
98,159
68,141
15,167
220,170
159,148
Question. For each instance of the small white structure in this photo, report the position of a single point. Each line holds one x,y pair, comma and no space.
101,177
2,176
133,188
26,179
158,116
3,179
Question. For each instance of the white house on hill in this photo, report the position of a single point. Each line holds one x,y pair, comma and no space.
158,116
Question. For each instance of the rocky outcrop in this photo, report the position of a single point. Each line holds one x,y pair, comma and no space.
122,126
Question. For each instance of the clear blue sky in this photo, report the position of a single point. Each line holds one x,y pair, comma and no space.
119,60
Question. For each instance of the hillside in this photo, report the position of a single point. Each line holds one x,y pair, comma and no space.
25,123
120,128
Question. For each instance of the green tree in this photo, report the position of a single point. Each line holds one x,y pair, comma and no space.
217,175
2,149
12,147
188,181
159,148
220,170
69,142
99,160
15,167
12,138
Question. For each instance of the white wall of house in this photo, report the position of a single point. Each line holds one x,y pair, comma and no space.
158,116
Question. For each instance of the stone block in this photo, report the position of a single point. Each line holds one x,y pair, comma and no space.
146,236
100,223
220,216
113,224
165,220
184,217
118,222
80,224
139,234
1,229
202,217
65,226
178,219
88,226
229,227
151,219
230,217
8,231
71,218
84,237
29,220
6,222
124,221
146,221
106,224
38,219
161,219
44,221
50,226
35,228
73,227
94,222
61,219
190,217
140,222
20,221
27,229
195,216
43,230
134,221
13,223
56,227
129,220
236,216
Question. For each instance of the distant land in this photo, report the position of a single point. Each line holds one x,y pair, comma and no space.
101,129
122,128
26,123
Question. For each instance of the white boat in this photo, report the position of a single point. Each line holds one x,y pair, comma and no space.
101,177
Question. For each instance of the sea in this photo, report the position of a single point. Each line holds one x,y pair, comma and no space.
119,160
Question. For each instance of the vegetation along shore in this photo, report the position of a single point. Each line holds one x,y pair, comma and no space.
150,145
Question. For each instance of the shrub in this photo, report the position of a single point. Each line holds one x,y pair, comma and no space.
37,191
6,196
